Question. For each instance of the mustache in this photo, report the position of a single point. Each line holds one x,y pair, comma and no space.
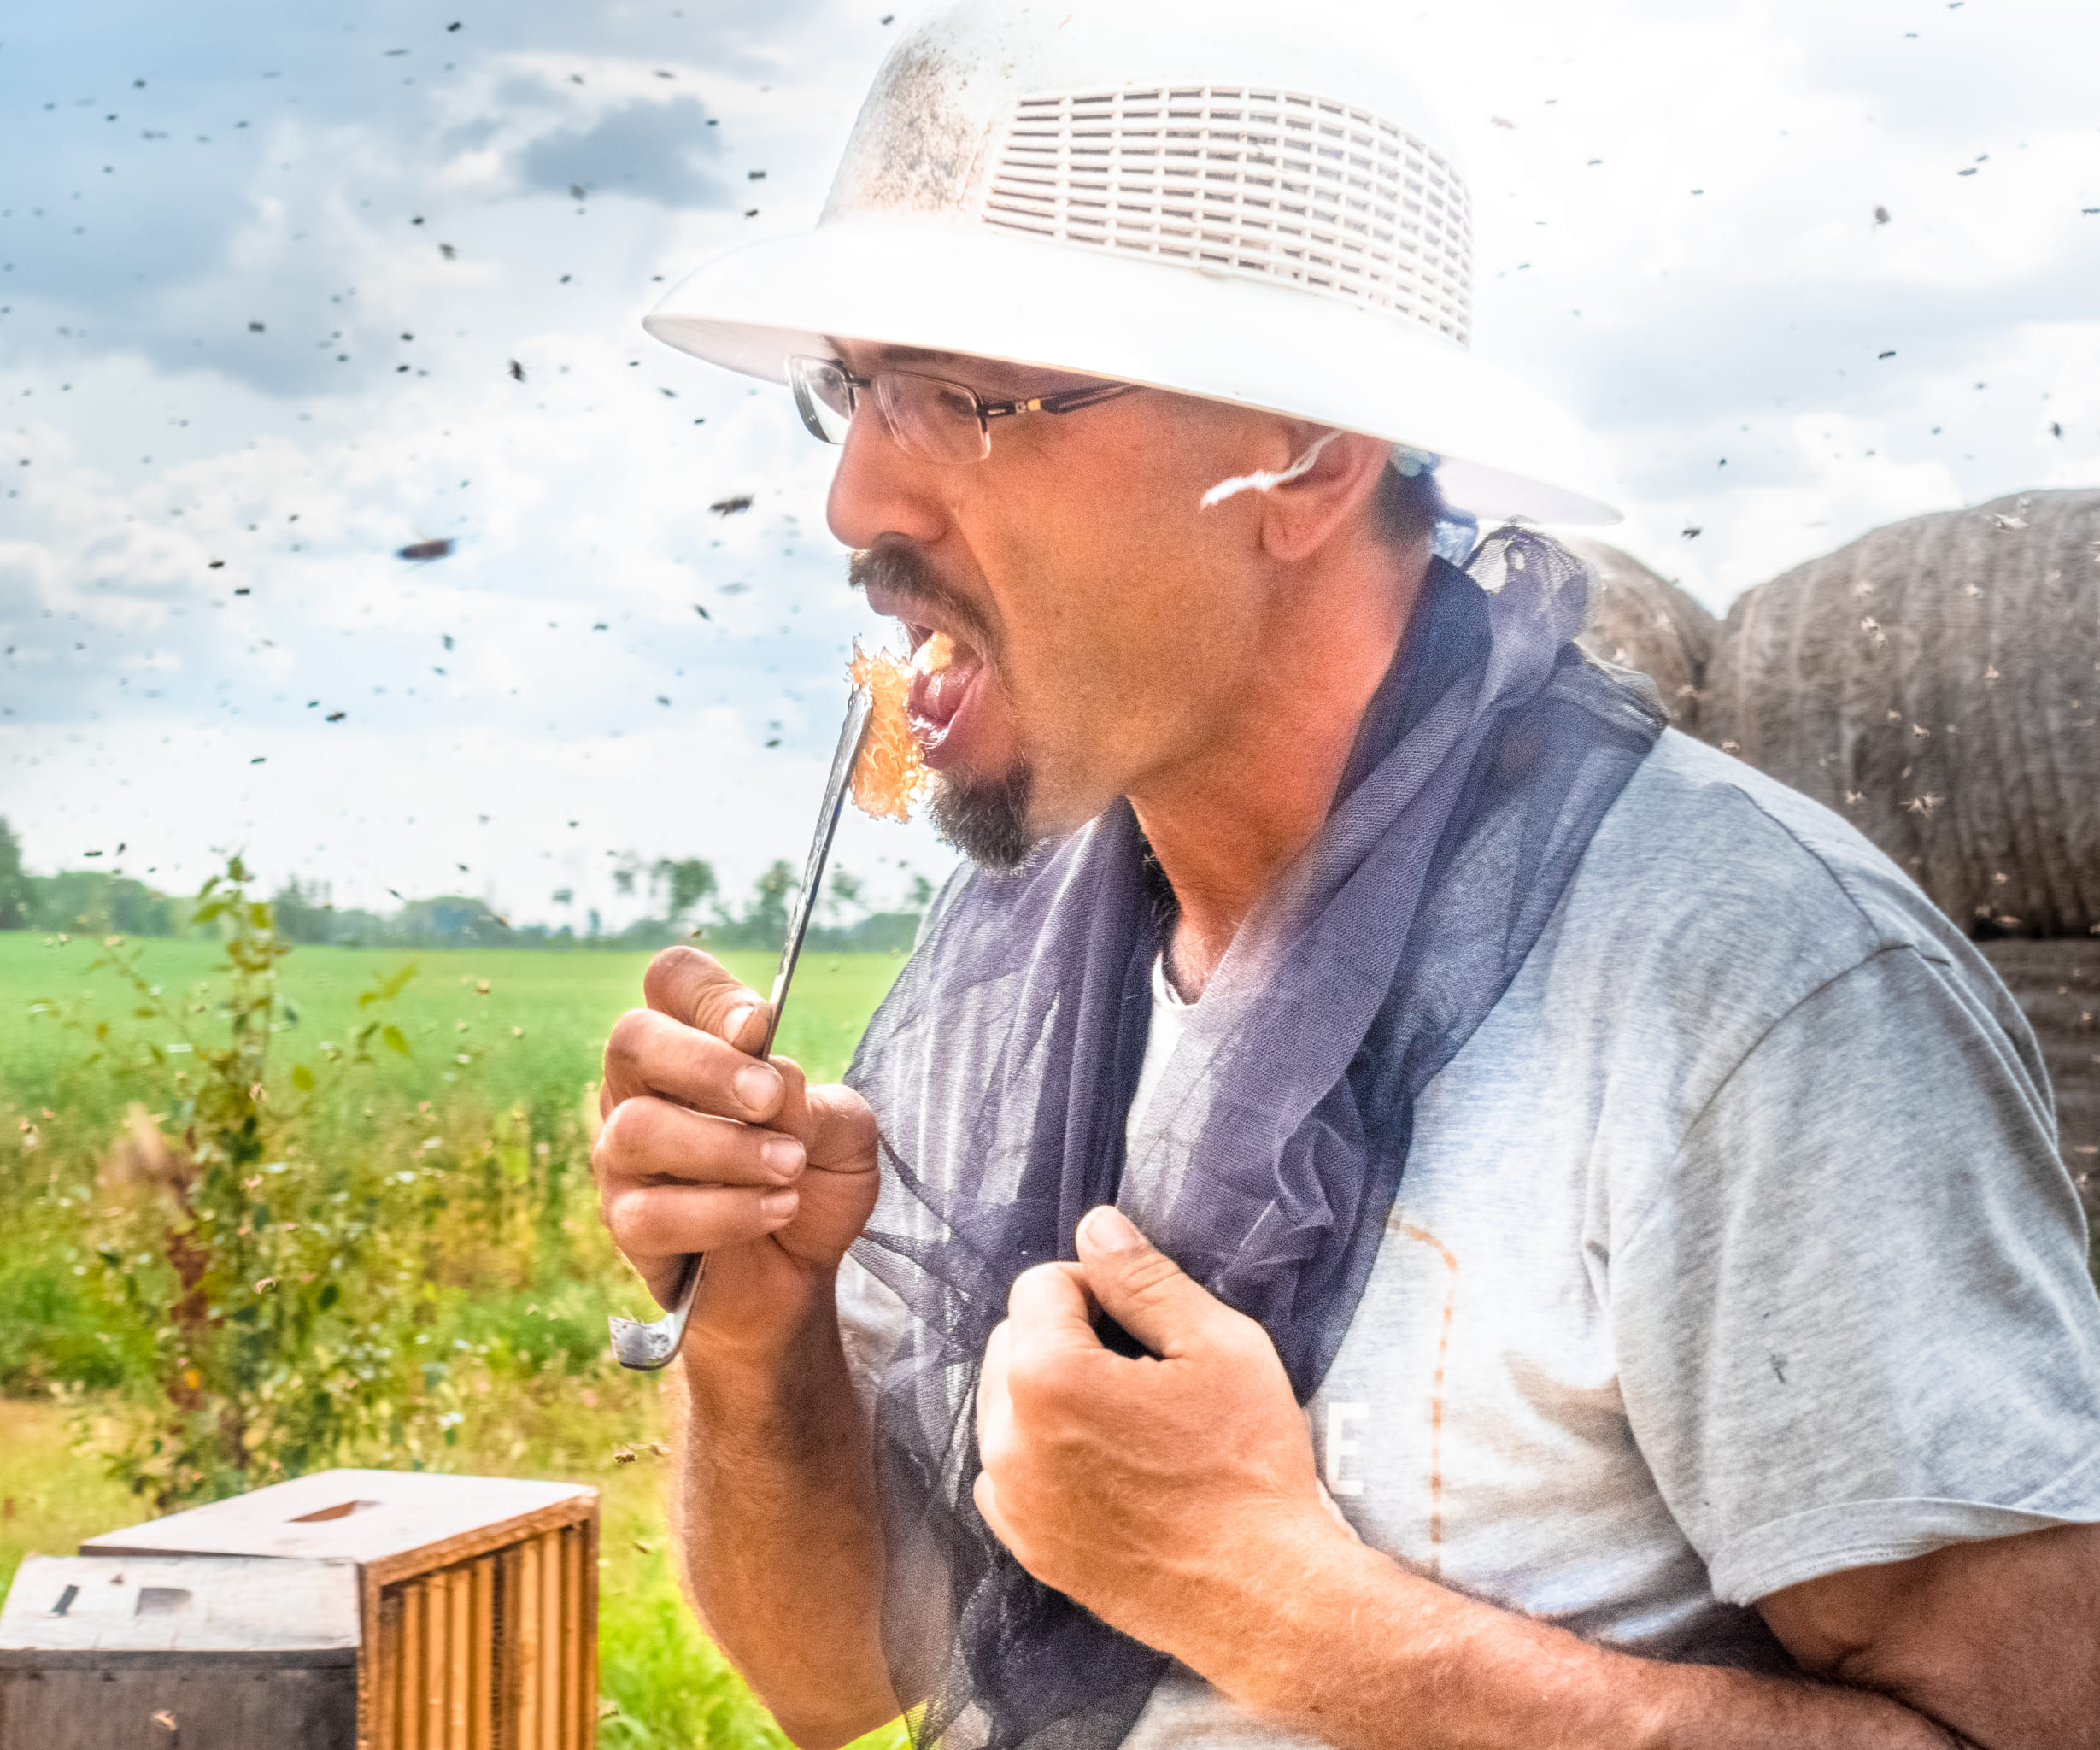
902,572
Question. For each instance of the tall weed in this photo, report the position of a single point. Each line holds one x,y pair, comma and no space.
291,1267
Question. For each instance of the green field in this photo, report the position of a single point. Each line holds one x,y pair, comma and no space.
485,1111
562,1004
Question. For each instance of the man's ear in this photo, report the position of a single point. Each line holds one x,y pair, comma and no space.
1300,515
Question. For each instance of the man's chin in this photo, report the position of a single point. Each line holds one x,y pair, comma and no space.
987,819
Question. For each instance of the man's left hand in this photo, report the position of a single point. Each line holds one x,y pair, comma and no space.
1177,1499
1150,1491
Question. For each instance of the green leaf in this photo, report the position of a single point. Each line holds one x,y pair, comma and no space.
210,909
303,1078
394,1040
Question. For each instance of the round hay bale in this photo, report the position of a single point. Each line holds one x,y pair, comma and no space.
1938,683
2058,985
1638,620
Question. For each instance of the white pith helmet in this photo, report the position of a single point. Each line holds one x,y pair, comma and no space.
1244,202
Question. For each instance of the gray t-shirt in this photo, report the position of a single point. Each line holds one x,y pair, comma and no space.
1732,1249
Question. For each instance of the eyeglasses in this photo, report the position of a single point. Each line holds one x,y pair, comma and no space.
929,417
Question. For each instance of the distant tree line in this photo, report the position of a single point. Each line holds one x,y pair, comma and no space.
684,897
88,900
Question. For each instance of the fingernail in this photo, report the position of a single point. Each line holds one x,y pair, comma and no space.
755,1086
1109,1229
778,1206
780,1155
733,1028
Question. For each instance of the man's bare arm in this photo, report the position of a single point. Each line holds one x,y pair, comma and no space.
706,1149
2001,1638
1995,1645
774,1512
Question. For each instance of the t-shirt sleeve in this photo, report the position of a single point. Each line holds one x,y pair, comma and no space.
1854,1318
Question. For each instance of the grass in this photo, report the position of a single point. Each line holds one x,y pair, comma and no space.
561,1006
530,1042
50,1498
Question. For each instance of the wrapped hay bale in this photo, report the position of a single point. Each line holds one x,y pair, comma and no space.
1938,683
1638,620
2057,983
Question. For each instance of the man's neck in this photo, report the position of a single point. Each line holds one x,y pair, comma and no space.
1226,826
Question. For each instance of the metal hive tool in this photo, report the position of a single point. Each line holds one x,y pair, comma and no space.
647,1347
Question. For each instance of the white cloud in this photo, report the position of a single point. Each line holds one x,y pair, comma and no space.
1743,322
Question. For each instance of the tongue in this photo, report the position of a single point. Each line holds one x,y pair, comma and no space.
937,695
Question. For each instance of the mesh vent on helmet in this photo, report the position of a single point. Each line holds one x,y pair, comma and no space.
1265,185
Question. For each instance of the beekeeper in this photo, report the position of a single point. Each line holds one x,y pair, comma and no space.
1397,1201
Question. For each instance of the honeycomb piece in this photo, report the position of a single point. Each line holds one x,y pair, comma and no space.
889,774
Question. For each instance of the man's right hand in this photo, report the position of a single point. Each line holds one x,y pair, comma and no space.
705,1148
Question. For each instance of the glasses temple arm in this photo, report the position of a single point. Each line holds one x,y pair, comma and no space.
1065,401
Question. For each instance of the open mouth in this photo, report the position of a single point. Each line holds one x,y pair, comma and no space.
945,674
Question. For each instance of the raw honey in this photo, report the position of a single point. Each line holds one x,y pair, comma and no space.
891,774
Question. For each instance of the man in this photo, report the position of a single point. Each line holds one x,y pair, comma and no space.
1613,1281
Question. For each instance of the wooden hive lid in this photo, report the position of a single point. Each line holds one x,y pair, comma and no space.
378,1518
201,1605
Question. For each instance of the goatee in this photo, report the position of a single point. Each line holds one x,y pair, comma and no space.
986,819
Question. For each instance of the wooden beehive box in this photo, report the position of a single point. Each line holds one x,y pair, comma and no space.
478,1596
179,1653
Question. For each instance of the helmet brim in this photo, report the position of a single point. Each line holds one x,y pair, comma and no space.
971,289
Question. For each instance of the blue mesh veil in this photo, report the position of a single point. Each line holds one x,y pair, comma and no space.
1001,1068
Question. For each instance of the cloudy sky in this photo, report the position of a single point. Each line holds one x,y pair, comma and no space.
264,271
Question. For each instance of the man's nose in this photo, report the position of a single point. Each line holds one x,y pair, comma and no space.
880,490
